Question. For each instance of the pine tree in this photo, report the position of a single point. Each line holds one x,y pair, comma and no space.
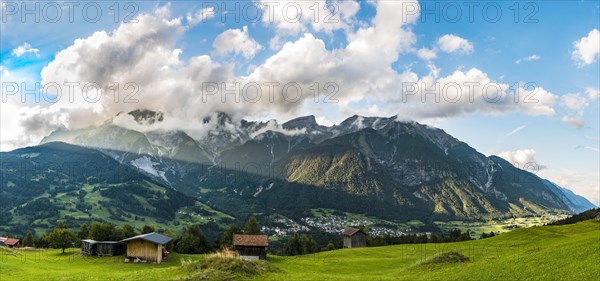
104,232
84,231
127,231
28,240
252,226
330,246
148,229
293,246
192,241
227,240
300,244
170,233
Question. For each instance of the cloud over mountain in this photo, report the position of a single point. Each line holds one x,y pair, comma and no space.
144,65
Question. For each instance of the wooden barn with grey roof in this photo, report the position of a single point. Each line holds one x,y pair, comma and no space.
147,247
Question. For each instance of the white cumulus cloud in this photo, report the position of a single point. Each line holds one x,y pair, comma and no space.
529,58
575,121
200,16
587,49
146,55
450,43
575,105
426,54
236,41
24,49
4,72
522,159
294,17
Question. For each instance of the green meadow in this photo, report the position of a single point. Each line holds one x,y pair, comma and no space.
566,252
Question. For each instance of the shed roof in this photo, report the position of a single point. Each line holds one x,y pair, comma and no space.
11,241
351,231
152,237
99,242
250,240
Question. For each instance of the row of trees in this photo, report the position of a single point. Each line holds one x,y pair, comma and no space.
192,241
454,235
487,235
300,244
62,237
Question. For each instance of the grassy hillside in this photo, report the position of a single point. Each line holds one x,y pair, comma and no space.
52,265
538,253
567,252
60,182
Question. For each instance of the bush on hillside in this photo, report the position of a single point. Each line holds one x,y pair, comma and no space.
226,265
192,241
445,257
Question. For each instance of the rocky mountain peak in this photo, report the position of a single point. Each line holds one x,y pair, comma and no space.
146,117
305,122
221,118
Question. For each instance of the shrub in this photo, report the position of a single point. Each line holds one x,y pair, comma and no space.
445,257
61,238
226,265
192,241
300,244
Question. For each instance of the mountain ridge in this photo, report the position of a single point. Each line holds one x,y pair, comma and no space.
372,165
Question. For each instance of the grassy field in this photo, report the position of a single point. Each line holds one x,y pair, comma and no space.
568,252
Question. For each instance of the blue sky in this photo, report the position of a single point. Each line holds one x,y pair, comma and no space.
366,50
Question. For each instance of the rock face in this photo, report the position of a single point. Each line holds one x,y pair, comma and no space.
371,165
146,117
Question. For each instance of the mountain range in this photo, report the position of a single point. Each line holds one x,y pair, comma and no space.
380,167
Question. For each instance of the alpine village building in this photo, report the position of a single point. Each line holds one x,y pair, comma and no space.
251,247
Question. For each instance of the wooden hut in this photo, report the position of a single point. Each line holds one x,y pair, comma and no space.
251,247
147,247
10,242
354,238
101,248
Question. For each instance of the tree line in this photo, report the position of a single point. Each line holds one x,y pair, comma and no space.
191,241
454,235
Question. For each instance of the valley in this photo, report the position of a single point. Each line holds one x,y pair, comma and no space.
394,177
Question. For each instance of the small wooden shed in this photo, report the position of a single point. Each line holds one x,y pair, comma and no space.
101,248
251,247
10,242
147,247
354,238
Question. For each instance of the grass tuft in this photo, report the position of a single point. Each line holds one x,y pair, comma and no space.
444,258
225,265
